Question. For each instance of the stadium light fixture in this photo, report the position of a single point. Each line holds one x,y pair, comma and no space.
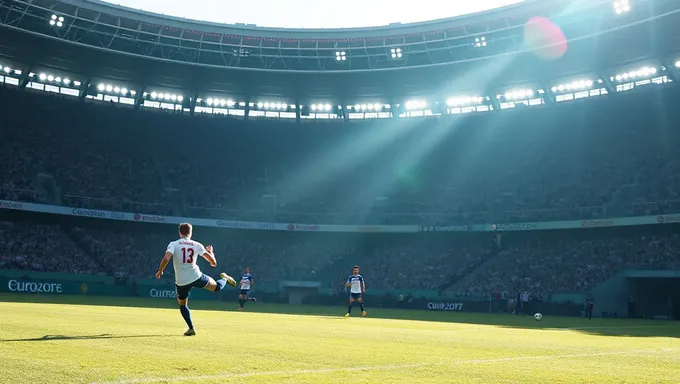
416,104
123,91
50,78
480,42
109,88
463,101
7,69
396,53
57,79
42,77
523,94
677,64
340,56
643,72
621,6
577,85
57,21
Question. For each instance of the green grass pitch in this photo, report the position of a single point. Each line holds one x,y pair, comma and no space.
48,339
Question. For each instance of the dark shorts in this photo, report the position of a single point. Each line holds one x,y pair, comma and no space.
245,292
183,290
355,296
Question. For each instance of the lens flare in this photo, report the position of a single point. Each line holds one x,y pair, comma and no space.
544,38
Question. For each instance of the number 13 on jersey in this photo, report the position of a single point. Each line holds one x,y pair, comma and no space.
187,255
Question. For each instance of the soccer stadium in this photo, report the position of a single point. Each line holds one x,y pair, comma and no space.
428,192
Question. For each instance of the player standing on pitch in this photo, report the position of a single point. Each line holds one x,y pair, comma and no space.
246,280
357,289
184,253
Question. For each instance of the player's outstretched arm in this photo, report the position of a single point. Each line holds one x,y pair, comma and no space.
209,256
164,263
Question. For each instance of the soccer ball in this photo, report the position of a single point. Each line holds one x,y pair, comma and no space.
538,317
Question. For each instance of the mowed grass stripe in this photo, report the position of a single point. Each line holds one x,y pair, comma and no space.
124,341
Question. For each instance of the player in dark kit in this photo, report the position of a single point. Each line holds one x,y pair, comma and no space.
246,280
357,288
590,302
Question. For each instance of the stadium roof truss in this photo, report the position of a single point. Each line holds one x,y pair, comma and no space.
106,26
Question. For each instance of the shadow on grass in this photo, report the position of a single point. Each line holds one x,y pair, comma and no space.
596,327
86,337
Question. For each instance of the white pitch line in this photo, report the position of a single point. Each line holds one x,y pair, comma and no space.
380,367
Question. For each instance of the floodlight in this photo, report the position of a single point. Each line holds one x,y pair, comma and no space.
621,6
266,105
327,107
116,89
7,69
109,88
42,76
57,79
180,98
124,91
396,53
50,78
154,95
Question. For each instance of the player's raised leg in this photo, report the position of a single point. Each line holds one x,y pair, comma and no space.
218,285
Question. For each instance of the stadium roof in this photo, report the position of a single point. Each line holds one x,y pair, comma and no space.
314,14
101,41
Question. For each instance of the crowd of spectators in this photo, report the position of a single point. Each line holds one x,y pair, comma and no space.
577,160
43,248
465,265
568,265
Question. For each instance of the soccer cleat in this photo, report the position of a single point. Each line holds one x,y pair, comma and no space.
363,313
230,280
254,300
347,315
240,309
190,332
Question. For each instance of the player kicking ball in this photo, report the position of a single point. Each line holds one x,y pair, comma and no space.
357,288
184,253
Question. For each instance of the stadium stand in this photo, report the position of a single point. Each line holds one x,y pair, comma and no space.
577,160
607,157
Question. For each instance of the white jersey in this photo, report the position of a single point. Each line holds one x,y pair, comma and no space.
184,255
